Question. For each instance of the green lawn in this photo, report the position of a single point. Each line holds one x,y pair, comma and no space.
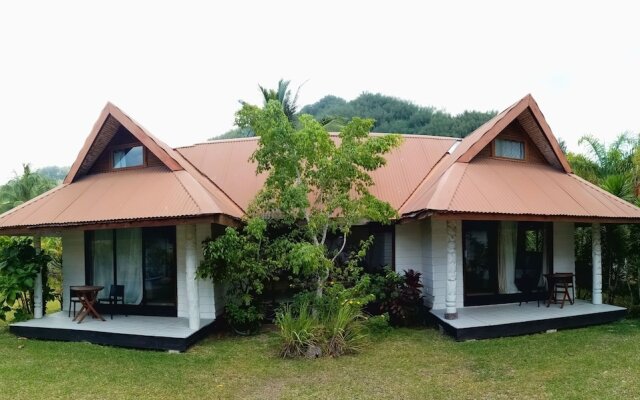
598,362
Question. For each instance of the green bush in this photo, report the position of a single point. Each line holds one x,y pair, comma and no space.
331,325
343,330
299,329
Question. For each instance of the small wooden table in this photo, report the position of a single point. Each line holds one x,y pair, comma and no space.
87,296
559,283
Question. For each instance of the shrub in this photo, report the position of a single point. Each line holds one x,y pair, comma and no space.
299,329
343,330
332,325
400,296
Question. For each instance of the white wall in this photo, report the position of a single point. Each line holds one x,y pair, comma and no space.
72,263
563,247
422,245
208,307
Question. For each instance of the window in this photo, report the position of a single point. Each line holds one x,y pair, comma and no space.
509,149
141,259
128,157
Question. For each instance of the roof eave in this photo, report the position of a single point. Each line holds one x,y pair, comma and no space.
497,216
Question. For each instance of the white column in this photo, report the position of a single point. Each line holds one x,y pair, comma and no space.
450,301
596,253
38,312
191,261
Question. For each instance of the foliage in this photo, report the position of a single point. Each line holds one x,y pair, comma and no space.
613,167
314,180
19,266
298,328
390,115
306,330
282,94
396,115
237,258
23,188
400,296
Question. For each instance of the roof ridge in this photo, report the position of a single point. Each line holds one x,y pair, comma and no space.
208,179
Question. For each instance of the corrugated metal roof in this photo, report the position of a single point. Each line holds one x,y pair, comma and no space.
424,174
494,186
226,162
147,193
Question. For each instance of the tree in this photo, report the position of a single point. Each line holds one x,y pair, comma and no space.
282,94
314,179
396,115
23,188
612,168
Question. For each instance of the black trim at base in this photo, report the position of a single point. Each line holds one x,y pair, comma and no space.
528,327
114,339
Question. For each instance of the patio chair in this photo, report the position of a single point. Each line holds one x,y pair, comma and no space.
116,294
529,284
73,299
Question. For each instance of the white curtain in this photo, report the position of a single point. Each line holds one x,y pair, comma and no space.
103,260
507,257
129,263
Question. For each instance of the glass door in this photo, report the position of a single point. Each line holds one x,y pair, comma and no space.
159,266
480,265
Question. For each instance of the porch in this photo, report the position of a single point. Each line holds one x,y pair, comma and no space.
134,331
492,321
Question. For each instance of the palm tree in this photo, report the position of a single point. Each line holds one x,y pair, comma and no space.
614,169
23,188
283,95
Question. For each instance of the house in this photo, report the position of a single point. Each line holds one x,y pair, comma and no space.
482,218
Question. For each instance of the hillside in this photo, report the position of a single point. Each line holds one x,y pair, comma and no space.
391,114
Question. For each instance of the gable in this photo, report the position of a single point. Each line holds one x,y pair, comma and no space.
530,118
112,128
515,132
122,139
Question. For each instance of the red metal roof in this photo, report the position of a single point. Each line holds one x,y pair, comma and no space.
148,193
425,175
226,162
490,186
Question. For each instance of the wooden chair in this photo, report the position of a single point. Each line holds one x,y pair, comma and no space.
116,294
73,299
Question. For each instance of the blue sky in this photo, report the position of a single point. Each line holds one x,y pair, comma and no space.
179,68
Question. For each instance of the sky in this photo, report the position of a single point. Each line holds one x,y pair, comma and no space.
180,68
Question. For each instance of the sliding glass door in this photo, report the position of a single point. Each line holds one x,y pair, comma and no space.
143,260
159,267
480,259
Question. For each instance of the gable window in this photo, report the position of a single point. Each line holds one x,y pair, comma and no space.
513,149
128,157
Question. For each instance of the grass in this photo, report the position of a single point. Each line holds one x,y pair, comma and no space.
592,363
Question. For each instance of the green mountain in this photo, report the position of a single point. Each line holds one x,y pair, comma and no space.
392,115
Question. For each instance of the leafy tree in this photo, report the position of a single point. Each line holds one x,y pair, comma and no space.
19,265
612,168
282,94
23,188
319,181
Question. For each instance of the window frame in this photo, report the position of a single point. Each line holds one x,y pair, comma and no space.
524,149
128,146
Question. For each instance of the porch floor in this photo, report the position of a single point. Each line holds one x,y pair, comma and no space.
158,333
483,322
